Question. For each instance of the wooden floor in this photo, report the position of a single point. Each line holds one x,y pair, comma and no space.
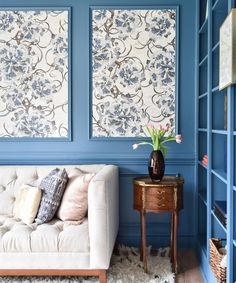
189,271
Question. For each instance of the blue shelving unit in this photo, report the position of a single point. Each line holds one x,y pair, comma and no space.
216,137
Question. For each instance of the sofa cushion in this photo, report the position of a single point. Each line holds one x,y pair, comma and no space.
53,186
12,177
27,203
74,204
54,236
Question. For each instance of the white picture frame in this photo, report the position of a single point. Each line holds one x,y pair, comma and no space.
227,60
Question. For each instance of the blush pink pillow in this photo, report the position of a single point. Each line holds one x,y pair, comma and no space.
74,204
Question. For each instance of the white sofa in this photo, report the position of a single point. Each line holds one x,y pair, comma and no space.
56,248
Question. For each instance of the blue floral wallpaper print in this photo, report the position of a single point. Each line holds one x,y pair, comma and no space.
34,73
133,71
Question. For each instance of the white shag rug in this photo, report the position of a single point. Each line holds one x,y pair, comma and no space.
125,268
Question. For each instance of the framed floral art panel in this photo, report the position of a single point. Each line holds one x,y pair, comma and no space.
227,72
34,73
134,68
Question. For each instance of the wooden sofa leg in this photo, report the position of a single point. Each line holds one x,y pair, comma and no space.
103,276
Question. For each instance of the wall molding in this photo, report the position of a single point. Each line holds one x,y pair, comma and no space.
45,157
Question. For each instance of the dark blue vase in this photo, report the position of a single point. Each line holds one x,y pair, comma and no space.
156,165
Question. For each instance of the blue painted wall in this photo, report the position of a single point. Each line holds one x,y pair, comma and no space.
180,158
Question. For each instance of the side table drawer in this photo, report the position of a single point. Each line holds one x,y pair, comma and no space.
160,199
138,198
157,198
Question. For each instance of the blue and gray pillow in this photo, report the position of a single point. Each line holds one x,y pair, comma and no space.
52,186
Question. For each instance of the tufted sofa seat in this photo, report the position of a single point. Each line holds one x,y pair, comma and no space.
54,236
57,247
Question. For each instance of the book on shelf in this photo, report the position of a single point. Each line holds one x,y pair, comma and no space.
221,205
220,218
205,160
220,210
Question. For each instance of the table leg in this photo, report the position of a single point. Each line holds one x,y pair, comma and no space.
175,222
143,237
172,238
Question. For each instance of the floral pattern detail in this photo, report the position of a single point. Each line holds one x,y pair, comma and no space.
34,74
133,71
15,63
120,116
7,20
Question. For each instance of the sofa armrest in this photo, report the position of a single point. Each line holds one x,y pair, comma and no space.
103,215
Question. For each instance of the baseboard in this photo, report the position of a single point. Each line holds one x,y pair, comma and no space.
158,235
184,242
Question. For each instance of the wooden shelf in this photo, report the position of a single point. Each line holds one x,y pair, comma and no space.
217,219
218,5
203,61
203,28
202,130
215,89
221,132
216,46
219,173
202,95
200,163
203,197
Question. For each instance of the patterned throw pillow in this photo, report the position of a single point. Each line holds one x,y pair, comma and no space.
53,186
74,204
